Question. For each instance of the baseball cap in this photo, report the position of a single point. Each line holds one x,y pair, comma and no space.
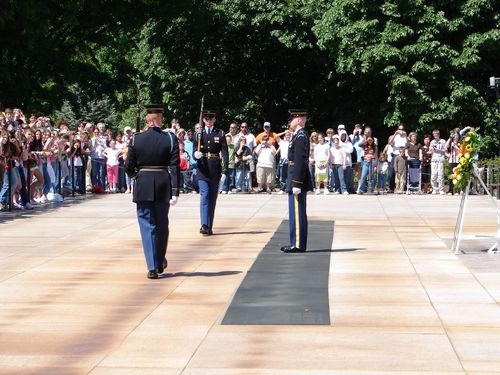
267,124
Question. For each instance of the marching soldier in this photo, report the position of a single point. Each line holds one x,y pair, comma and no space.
153,159
298,181
210,167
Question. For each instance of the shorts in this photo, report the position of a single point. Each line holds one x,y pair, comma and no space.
265,175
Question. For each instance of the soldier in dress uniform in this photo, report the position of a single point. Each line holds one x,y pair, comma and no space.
210,167
153,159
298,181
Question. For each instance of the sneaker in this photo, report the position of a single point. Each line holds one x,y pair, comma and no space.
337,192
345,193
28,206
268,191
281,192
442,193
318,191
17,206
325,192
230,192
223,192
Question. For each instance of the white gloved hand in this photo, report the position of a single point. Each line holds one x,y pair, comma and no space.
173,201
296,191
198,155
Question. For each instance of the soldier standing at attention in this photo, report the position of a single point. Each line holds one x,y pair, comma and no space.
210,168
153,159
298,181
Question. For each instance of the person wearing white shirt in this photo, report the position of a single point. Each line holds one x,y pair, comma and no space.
438,149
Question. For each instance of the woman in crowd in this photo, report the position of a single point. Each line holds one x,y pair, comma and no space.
413,153
313,141
243,156
369,161
7,162
321,163
426,164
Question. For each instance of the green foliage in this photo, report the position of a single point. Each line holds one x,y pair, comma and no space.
86,106
424,62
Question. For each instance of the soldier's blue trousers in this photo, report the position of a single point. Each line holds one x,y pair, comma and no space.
153,223
297,216
209,190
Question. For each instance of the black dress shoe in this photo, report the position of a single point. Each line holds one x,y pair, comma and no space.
152,275
210,232
204,230
292,249
165,263
163,267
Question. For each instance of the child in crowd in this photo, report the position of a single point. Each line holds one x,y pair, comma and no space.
400,170
321,159
382,170
112,154
338,159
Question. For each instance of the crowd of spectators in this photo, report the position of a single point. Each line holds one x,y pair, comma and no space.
339,162
41,161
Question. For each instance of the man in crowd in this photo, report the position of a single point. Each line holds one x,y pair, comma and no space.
97,147
298,182
157,186
233,132
267,133
250,143
397,141
438,149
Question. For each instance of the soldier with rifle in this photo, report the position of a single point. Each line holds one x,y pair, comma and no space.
211,145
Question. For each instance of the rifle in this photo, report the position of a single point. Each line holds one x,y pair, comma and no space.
202,126
138,109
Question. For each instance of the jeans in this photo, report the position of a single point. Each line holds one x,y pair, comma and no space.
228,181
282,173
338,172
4,193
99,172
349,179
382,181
239,179
47,183
367,171
311,173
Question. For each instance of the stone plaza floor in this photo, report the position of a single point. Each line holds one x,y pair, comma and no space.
75,298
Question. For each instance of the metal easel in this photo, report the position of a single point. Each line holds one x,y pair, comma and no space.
461,215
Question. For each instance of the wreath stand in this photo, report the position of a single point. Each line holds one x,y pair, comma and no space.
461,215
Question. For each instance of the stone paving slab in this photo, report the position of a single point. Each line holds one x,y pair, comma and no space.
75,298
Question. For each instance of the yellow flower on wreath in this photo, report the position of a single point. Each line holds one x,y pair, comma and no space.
463,161
468,148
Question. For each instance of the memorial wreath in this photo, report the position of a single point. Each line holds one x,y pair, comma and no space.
462,173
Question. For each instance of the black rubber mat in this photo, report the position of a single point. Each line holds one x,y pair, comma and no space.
284,288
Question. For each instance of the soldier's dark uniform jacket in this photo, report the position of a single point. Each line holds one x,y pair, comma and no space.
298,162
157,153
213,144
